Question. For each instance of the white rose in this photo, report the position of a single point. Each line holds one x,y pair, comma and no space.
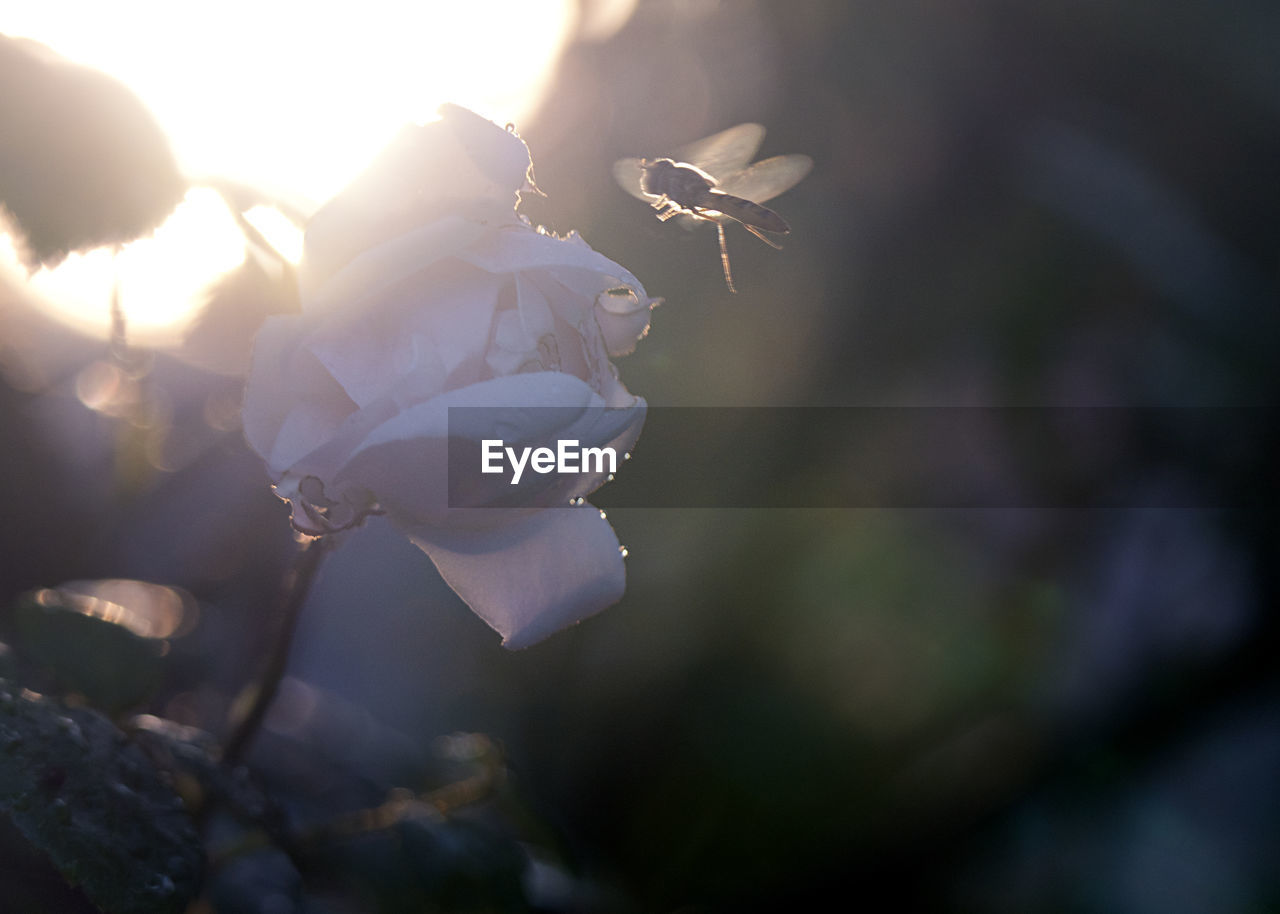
422,289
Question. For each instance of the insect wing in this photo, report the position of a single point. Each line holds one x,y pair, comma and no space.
722,153
766,179
725,152
628,173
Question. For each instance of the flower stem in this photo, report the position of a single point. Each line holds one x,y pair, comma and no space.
297,584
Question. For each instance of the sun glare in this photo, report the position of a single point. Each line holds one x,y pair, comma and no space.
277,231
292,99
158,278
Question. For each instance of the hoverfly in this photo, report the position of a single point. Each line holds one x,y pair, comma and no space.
710,180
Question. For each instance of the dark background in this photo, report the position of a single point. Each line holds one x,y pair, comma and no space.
990,709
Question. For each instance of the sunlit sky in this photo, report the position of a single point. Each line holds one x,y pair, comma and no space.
293,98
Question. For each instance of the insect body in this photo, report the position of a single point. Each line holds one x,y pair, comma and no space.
709,182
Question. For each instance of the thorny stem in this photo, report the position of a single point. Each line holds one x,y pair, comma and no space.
297,585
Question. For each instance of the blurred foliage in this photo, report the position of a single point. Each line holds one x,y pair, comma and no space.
83,163
974,710
113,668
424,863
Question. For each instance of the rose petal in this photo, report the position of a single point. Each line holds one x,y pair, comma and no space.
462,166
514,351
623,317
516,251
436,321
533,308
291,403
498,153
368,273
533,576
406,461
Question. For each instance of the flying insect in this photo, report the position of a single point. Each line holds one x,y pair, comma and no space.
711,181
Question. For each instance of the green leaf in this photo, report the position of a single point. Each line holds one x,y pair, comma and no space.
90,799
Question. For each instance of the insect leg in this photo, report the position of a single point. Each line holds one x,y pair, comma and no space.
724,258
666,209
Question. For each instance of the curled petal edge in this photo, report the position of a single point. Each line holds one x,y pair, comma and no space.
529,579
